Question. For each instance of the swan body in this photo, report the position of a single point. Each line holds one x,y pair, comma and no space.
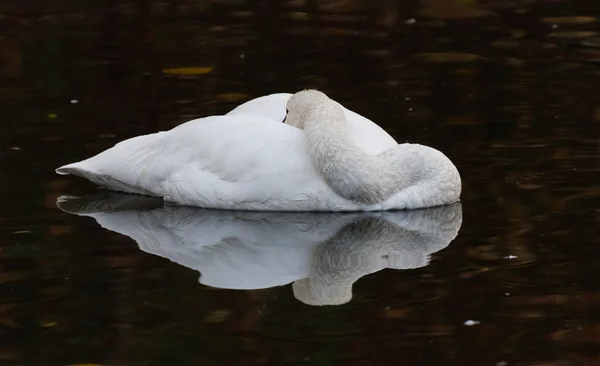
321,254
249,160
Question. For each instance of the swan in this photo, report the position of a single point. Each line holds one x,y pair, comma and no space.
321,254
323,158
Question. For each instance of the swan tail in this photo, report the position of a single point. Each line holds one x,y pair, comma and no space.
100,179
120,168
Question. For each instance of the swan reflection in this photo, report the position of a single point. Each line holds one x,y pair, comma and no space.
321,254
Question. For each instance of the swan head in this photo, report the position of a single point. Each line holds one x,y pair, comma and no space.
310,105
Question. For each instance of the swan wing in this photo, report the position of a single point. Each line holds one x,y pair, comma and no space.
239,161
215,162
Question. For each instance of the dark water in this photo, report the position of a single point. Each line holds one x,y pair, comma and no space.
509,90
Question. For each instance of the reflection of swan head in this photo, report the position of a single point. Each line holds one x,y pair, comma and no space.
322,254
371,244
309,105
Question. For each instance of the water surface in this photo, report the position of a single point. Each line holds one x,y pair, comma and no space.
508,90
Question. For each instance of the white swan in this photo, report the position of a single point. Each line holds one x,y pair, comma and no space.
321,254
246,160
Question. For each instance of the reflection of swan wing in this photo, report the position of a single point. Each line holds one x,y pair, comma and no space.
322,253
231,249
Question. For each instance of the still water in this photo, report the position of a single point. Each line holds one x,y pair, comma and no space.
508,276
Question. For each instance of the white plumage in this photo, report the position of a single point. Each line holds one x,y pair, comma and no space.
249,160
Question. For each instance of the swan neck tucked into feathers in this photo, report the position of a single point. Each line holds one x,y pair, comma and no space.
348,170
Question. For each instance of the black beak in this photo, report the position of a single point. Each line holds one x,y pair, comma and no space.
284,118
